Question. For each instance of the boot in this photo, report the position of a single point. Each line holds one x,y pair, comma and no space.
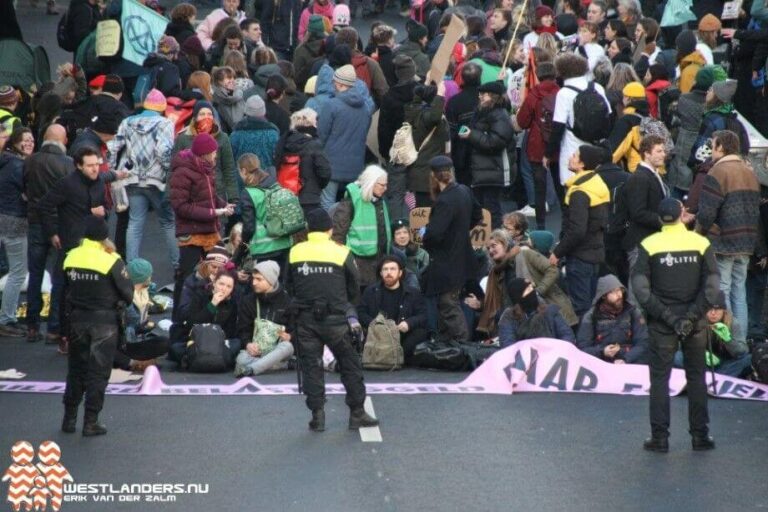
702,443
359,418
91,425
69,423
656,444
318,421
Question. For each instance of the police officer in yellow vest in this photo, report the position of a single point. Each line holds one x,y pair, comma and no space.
322,282
675,281
9,101
96,283
361,222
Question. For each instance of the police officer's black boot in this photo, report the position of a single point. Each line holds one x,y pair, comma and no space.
359,418
702,443
656,444
318,420
69,423
91,425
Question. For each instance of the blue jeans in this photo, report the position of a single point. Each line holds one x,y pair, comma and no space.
141,200
526,172
581,277
733,282
328,194
16,251
732,367
38,249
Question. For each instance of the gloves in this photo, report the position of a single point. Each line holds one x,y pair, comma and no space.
683,327
355,327
711,359
722,331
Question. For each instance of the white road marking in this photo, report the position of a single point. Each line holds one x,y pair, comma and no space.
370,434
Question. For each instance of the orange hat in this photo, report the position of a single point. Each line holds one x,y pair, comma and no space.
98,82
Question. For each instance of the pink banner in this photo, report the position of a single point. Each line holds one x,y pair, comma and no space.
528,366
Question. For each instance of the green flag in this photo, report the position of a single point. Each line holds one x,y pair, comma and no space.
142,29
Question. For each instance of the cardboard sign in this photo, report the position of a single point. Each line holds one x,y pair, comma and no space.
443,55
107,38
478,235
731,10
372,140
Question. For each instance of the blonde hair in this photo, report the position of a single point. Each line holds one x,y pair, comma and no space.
368,179
305,117
501,236
621,75
249,167
548,43
236,60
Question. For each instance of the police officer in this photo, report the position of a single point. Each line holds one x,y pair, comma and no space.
322,280
675,281
96,282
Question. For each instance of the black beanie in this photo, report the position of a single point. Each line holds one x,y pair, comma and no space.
318,220
95,228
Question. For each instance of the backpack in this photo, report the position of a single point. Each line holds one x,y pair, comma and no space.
544,118
591,115
284,215
760,362
733,124
360,62
63,37
382,350
207,349
651,126
289,173
145,83
618,221
403,150
667,104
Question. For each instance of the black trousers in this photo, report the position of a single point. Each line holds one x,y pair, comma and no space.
540,193
91,352
410,339
312,336
451,323
663,346
151,347
189,257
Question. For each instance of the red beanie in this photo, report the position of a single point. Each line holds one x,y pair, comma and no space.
204,144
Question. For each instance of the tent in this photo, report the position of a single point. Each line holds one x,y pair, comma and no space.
23,65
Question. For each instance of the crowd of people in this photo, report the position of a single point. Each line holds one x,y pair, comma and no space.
600,110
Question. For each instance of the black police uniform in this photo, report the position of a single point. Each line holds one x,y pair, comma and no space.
675,279
322,281
96,282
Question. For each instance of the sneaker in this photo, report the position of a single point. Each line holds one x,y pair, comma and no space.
10,331
528,211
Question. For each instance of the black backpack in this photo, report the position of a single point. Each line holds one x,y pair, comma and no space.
618,220
207,350
63,36
591,115
667,105
760,362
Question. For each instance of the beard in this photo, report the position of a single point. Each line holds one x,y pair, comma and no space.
389,281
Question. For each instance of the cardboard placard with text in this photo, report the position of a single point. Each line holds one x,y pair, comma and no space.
478,235
443,55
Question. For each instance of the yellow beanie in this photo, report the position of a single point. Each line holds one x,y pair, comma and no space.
634,90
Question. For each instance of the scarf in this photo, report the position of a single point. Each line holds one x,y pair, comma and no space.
548,30
494,293
725,108
608,310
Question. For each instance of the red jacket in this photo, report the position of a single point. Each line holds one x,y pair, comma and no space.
529,115
652,91
193,195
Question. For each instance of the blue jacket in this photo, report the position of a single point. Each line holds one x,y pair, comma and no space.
552,326
324,90
12,185
343,128
257,136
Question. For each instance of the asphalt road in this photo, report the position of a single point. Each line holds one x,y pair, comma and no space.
439,452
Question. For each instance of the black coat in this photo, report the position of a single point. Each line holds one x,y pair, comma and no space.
280,24
459,112
82,18
201,311
583,225
385,63
277,116
314,168
413,309
273,306
451,257
42,171
180,30
66,205
392,114
643,193
493,149
168,79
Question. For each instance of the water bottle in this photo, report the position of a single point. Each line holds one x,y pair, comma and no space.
119,194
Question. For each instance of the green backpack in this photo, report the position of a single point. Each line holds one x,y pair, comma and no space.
283,213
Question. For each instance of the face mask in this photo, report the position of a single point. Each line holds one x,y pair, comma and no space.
204,125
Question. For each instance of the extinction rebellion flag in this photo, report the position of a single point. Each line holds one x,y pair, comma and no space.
142,29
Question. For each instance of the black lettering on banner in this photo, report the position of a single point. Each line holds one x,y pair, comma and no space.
519,364
559,370
757,393
725,387
629,387
740,390
585,380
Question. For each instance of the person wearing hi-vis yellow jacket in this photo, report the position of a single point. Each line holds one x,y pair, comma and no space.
361,222
581,240
97,284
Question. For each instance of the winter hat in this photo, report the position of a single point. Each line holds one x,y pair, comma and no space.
634,90
341,15
416,31
658,72
193,46
316,26
710,23
496,87
542,11
201,104
685,43
204,144
139,271
155,100
708,75
168,46
440,162
725,90
591,156
8,96
98,82
339,56
670,210
399,224
311,85
516,288
345,75
113,84
254,107
269,270
95,228
318,220
107,122
719,301
218,254
405,68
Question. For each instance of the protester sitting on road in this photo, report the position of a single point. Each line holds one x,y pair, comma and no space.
613,329
416,259
528,318
397,301
215,259
262,322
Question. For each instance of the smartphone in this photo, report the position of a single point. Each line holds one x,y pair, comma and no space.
463,129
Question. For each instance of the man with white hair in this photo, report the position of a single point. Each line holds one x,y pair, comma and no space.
361,222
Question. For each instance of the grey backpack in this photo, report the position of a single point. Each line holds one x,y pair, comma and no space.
382,350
